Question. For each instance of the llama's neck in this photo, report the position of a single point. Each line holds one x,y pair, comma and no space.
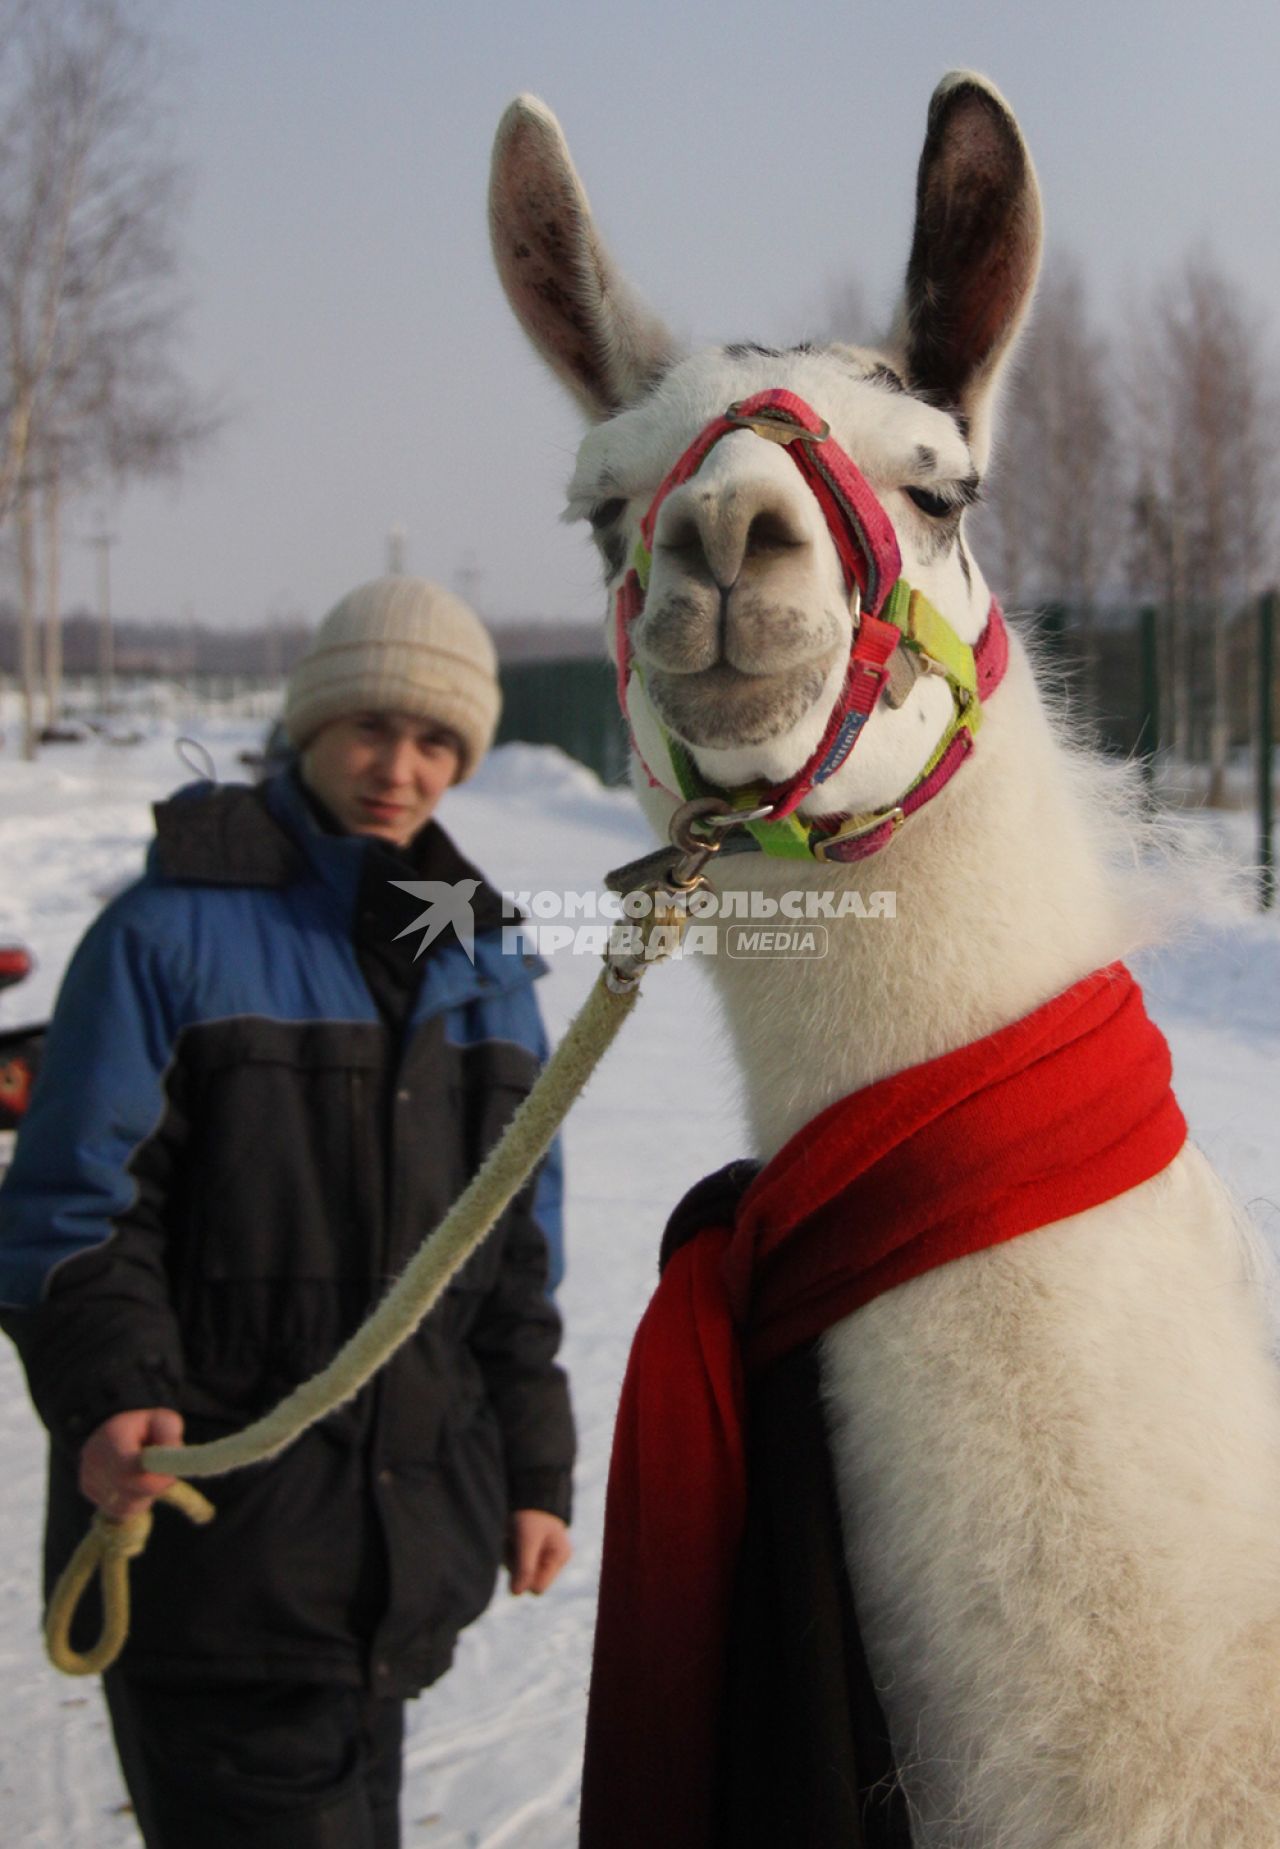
1002,900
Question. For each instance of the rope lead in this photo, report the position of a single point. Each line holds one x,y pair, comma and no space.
110,1545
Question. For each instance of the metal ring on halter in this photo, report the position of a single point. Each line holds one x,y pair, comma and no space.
740,815
696,848
709,812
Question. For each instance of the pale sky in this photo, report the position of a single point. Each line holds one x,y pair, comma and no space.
741,160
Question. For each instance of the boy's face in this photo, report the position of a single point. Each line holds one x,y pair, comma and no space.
381,774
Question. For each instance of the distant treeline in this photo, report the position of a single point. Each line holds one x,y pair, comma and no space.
174,650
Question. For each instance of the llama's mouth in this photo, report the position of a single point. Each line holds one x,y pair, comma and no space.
722,708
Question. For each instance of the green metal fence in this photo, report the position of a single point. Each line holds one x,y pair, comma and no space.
1143,679
573,704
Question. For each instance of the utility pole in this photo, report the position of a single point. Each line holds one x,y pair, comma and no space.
468,578
192,653
1266,750
27,634
52,610
271,650
103,542
1149,736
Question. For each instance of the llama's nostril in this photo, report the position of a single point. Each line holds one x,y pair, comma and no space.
682,536
712,536
771,531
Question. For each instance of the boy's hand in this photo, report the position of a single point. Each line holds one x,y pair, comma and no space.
111,1474
538,1546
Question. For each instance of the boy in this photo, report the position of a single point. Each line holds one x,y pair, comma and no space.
256,1101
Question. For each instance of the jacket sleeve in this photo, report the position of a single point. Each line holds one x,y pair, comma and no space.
516,1336
82,1271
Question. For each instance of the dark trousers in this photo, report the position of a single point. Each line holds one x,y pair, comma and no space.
259,1765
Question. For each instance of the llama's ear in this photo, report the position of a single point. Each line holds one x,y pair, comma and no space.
568,297
975,253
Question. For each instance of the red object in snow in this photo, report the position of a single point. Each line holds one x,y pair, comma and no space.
16,964
20,1047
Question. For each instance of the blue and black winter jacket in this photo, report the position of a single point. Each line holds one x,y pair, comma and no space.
254,1104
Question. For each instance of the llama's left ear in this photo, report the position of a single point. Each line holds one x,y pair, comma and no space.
567,294
975,254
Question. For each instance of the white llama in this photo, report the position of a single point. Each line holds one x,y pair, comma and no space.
1059,1458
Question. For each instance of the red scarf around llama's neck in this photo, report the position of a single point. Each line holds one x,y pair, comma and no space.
1052,1115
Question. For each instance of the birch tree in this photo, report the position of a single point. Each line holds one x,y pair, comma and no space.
89,194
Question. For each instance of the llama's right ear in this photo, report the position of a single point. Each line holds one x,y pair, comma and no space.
975,253
580,315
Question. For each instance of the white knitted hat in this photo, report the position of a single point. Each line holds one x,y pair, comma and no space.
399,645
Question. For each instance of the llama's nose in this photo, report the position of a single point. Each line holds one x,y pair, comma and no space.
718,532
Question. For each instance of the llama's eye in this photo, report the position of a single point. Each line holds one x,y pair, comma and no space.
932,504
604,513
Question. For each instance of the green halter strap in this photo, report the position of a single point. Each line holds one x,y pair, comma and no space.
936,649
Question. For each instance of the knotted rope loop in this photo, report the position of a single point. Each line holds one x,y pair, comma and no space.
107,1549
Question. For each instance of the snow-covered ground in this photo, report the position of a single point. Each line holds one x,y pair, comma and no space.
493,1751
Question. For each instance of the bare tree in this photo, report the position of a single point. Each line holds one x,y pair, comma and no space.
88,315
1005,524
1204,385
1056,498
126,414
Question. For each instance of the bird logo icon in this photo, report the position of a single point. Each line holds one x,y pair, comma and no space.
448,903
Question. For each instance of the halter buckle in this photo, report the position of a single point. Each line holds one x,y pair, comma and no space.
853,831
775,426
